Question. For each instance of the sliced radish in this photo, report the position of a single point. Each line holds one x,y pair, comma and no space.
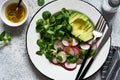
75,42
94,46
76,50
65,42
69,66
55,61
58,44
70,42
63,55
69,50
79,61
85,46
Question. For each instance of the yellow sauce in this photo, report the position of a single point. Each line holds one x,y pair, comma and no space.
14,15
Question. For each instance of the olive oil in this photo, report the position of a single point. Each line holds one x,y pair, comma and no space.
14,15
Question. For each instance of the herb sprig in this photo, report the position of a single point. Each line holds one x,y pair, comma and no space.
5,37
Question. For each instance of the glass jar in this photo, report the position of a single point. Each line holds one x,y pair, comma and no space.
110,6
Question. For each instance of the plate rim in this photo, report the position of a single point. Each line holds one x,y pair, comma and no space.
36,14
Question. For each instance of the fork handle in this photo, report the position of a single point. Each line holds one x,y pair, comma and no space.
83,63
86,69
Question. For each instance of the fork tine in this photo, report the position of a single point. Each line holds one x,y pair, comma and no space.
103,26
100,24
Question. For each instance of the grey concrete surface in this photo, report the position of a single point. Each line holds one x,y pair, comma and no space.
14,61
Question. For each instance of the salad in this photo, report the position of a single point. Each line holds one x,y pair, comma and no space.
64,37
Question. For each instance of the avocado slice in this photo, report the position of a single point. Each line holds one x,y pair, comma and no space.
82,26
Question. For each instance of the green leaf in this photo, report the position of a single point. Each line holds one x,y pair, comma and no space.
39,29
53,38
50,55
59,49
65,13
71,58
50,32
59,58
2,35
40,22
69,28
52,20
9,37
5,37
60,38
61,33
58,27
39,52
46,26
41,2
92,52
46,15
59,17
83,52
39,42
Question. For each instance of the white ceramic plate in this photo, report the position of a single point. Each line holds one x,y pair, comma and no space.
41,63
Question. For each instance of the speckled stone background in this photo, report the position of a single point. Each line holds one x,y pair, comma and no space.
14,61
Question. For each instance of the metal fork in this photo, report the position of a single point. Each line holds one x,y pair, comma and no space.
99,29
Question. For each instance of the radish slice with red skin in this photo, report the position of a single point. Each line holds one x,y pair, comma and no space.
85,46
76,50
70,42
94,46
55,61
69,66
69,50
65,42
63,55
58,44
